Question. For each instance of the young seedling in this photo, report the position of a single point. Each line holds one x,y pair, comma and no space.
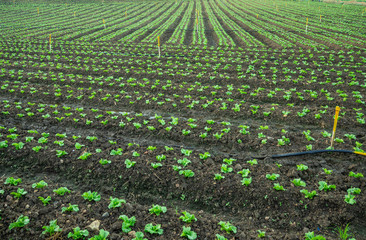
20,192
115,202
278,187
78,233
355,175
308,194
187,173
91,196
302,167
261,234
324,186
350,199
188,233
40,184
154,229
45,201
244,173
71,208
52,228
227,227
13,181
312,236
252,162
246,181
157,209
127,223
218,176
272,176
20,222
205,155
129,163
298,182
61,191
326,171
139,236
187,217
101,236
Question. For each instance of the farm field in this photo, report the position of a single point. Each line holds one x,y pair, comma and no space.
167,120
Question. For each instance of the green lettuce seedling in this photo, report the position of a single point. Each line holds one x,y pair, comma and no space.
187,217
298,182
253,162
278,187
354,191
218,176
61,191
246,181
139,236
272,176
355,175
52,228
220,237
129,163
20,192
302,167
40,184
91,196
187,173
71,208
45,201
350,199
20,222
188,233
324,186
227,226
127,223
157,209
13,181
154,229
308,194
101,236
78,233
115,202
312,236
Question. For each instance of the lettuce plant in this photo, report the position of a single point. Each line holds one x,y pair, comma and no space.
139,236
308,194
227,227
355,175
104,161
252,162
187,217
246,181
312,236
278,187
71,208
20,192
188,233
154,229
324,186
91,196
302,167
52,228
40,184
298,182
78,233
127,223
13,181
157,209
61,191
101,236
218,176
45,201
115,202
129,163
187,173
20,222
272,176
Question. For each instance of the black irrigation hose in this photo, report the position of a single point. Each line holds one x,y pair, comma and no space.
313,152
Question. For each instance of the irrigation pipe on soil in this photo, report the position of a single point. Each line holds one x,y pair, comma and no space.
312,152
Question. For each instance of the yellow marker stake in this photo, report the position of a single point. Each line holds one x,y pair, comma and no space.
257,16
50,41
38,10
320,18
103,22
307,20
159,45
74,14
335,125
361,153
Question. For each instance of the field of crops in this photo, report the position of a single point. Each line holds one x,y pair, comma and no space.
102,138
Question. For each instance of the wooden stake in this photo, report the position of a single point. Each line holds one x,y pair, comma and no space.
307,20
50,41
335,125
159,45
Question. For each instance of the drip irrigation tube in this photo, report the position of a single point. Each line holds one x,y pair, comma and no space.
312,152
